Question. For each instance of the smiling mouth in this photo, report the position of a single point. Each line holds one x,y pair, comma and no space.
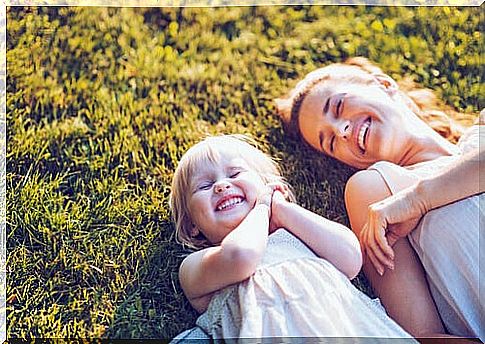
229,203
364,130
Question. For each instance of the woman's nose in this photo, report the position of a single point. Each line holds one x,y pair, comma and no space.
221,186
343,129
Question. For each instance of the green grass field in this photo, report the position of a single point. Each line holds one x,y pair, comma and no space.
102,103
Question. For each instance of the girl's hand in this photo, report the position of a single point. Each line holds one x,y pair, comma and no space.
280,197
388,221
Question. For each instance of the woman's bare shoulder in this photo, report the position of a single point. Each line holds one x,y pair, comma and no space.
366,186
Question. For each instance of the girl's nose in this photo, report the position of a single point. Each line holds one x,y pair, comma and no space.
221,186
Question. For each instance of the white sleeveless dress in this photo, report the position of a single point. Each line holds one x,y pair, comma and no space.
294,293
447,243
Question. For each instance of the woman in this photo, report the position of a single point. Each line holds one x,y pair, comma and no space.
358,115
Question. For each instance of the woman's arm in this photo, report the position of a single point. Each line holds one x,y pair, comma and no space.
459,180
206,271
403,290
328,239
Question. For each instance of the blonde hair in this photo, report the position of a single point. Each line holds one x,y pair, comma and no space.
421,101
208,150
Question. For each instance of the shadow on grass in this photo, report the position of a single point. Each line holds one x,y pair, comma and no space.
155,306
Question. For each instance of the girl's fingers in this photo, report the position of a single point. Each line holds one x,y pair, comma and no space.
283,188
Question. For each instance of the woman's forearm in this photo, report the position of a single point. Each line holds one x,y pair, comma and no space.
458,181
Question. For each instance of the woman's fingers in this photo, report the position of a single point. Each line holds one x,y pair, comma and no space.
377,265
381,241
379,255
378,224
392,238
372,239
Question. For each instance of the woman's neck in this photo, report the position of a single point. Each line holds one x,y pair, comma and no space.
426,146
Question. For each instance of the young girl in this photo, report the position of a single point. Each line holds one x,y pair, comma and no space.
266,266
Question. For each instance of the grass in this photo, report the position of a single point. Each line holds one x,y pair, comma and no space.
102,103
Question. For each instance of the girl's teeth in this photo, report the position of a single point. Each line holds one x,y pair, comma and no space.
362,132
229,202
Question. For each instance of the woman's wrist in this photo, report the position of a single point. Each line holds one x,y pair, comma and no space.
421,194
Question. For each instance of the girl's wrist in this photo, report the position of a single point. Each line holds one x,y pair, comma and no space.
278,211
265,207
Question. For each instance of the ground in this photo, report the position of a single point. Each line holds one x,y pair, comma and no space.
102,103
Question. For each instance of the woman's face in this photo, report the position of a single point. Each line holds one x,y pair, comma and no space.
357,124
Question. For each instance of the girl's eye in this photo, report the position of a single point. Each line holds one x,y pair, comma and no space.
205,186
332,144
235,174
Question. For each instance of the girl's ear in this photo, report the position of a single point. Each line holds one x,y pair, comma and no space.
283,108
194,231
387,83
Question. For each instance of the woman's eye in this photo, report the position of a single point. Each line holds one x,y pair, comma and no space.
326,106
339,107
332,144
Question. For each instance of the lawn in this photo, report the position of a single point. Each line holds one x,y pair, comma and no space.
103,102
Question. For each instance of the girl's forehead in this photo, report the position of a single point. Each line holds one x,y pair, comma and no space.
218,157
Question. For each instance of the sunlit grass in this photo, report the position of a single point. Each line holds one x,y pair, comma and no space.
102,103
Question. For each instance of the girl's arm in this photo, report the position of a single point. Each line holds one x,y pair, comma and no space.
330,240
206,271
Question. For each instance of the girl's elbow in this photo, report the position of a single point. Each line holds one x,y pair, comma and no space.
243,262
355,265
354,260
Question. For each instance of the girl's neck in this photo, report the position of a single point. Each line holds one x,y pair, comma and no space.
426,146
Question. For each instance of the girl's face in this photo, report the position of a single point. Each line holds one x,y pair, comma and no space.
355,123
222,194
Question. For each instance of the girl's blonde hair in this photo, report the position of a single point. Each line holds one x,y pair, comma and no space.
421,101
208,150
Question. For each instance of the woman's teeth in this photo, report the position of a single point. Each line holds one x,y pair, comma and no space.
229,202
362,133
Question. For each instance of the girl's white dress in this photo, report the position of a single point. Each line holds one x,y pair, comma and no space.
447,243
294,293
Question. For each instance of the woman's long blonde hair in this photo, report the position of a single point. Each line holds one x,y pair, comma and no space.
422,101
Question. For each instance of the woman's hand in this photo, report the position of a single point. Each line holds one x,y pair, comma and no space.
388,221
